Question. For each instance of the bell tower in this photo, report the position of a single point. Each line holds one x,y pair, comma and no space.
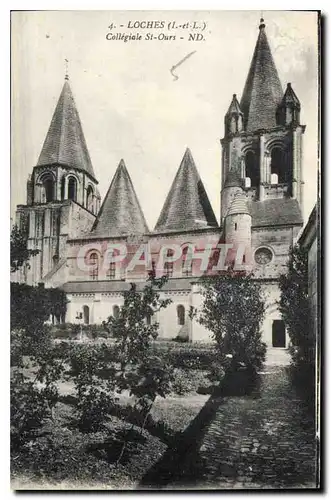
263,134
62,194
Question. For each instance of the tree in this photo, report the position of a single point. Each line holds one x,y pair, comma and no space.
295,307
143,373
233,309
19,252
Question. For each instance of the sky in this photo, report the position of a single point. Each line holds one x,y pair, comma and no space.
130,105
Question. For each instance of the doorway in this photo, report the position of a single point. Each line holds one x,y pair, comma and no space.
278,333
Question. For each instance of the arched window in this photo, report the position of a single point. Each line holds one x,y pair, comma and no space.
48,188
187,261
89,199
274,179
86,314
278,164
181,315
252,168
72,189
63,185
169,266
94,263
116,312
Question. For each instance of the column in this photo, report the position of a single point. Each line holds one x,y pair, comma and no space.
262,180
66,187
294,165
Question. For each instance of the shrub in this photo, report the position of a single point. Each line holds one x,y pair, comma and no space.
94,402
296,309
233,309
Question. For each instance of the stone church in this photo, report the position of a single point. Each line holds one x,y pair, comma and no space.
261,197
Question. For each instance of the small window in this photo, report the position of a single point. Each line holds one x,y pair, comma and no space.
235,226
94,261
181,315
187,262
111,273
169,266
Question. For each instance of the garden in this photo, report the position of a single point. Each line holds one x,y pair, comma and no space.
100,413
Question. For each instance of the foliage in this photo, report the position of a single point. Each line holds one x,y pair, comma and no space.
295,307
31,306
144,374
233,309
32,399
19,252
94,401
188,356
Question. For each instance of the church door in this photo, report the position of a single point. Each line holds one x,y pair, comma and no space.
278,333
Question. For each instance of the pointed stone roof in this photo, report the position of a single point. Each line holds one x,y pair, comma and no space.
120,213
263,91
290,98
187,205
234,107
232,179
238,205
65,141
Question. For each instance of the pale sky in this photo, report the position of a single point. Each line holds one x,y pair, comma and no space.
131,107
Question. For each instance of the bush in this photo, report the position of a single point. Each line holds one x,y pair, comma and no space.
188,356
190,381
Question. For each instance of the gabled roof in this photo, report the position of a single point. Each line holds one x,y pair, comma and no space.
238,205
65,141
234,107
290,98
187,205
120,213
263,91
275,212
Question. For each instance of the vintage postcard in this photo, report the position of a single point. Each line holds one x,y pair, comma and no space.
165,250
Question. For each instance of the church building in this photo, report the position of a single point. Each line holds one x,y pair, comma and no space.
261,198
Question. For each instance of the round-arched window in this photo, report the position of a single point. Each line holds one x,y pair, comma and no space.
263,256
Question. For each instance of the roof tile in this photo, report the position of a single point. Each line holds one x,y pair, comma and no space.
187,205
65,142
120,213
263,91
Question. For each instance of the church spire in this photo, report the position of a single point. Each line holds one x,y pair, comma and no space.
65,142
263,91
187,205
120,213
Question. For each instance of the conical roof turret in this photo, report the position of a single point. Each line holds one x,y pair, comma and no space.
65,142
263,91
120,213
187,205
